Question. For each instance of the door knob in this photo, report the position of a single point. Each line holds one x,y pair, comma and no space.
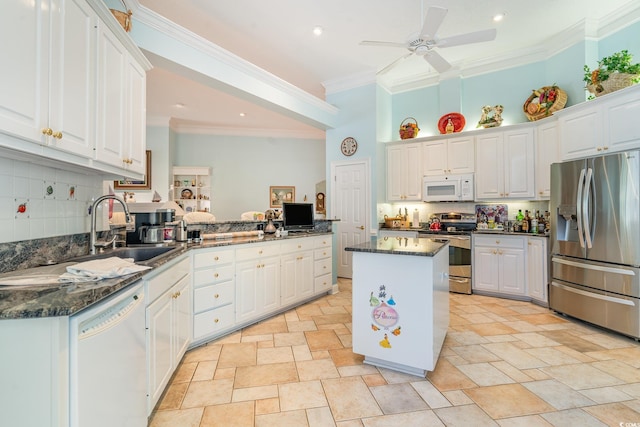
361,227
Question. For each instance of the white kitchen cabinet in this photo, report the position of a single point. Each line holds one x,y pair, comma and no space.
448,156
537,268
546,145
192,188
214,292
168,323
48,77
323,264
620,120
257,281
297,277
581,132
404,171
505,164
499,264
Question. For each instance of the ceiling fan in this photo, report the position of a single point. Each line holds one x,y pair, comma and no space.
425,41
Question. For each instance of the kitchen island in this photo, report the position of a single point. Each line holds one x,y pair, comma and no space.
400,302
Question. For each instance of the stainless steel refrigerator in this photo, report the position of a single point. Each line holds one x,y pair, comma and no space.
595,241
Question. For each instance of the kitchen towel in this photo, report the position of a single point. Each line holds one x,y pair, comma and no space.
99,269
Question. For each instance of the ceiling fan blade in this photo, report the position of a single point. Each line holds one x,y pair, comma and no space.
394,63
433,20
475,37
436,61
385,44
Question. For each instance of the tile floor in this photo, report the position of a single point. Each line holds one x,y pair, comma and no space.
504,363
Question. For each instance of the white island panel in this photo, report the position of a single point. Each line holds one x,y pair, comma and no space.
400,309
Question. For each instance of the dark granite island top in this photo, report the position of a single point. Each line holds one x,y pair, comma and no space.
428,247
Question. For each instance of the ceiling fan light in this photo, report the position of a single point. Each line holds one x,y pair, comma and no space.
421,50
499,17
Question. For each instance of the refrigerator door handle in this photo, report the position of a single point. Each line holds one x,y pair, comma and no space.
580,207
585,208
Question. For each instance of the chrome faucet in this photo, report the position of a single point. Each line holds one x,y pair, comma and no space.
92,237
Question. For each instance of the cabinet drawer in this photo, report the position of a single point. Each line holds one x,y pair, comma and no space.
257,251
213,275
322,283
322,266
324,241
212,296
295,245
322,253
213,321
208,258
516,242
163,281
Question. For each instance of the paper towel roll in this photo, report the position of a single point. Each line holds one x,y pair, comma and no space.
416,219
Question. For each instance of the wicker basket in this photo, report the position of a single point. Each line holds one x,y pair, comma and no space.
539,105
409,129
124,18
616,81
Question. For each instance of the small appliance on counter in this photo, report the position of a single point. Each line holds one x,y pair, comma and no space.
151,227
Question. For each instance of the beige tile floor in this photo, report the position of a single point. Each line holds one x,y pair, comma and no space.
504,363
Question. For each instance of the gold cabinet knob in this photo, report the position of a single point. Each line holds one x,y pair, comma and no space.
216,320
361,227
260,252
495,251
216,296
47,131
216,258
57,135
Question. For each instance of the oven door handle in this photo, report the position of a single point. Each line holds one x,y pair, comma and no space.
451,279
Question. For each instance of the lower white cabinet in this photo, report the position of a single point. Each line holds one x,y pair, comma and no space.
168,324
297,276
323,264
537,268
257,281
499,264
213,292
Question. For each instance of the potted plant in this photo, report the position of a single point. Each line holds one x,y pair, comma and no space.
614,72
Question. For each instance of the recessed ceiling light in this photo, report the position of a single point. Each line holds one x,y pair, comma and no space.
499,17
317,30
242,114
179,105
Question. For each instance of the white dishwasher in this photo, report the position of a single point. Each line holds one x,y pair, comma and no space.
108,363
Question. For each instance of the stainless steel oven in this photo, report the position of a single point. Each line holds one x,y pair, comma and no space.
456,228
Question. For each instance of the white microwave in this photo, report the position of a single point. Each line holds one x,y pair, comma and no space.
448,188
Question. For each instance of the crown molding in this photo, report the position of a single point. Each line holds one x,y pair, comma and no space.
349,82
185,127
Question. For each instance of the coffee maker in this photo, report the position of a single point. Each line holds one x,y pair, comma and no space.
151,227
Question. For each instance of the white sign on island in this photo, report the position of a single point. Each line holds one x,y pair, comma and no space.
400,302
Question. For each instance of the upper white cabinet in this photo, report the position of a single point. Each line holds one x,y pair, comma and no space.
601,126
505,164
74,86
404,172
48,78
445,156
546,145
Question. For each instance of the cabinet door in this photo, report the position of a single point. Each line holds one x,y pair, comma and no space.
512,272
621,121
581,133
518,164
434,157
24,27
537,268
395,174
269,285
247,304
489,167
182,318
461,155
546,145
160,360
413,168
72,93
486,271
112,79
136,119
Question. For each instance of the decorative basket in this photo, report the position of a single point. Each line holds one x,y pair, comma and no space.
409,129
616,81
544,102
124,18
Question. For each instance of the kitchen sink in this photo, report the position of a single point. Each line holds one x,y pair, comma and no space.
138,253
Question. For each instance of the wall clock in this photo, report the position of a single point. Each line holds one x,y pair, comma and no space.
349,146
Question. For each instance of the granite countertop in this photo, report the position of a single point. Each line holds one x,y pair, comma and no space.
401,246
66,299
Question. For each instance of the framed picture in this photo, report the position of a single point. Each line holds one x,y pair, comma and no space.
281,194
130,184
